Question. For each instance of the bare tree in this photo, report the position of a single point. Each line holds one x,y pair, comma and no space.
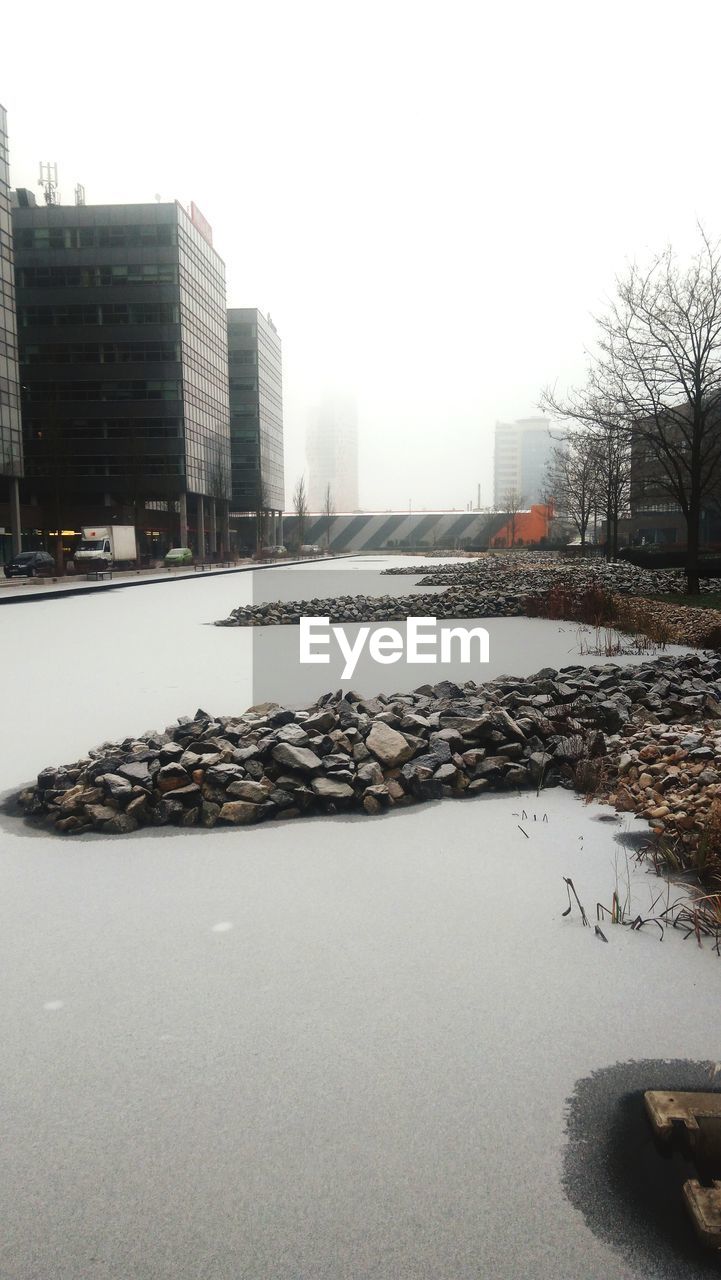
300,507
612,446
328,512
656,378
573,480
512,504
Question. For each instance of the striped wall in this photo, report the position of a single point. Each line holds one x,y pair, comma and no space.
386,530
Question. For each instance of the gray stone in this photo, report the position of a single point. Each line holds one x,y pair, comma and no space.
294,734
136,773
328,788
221,775
190,795
539,763
209,813
99,813
301,758
370,774
320,723
120,824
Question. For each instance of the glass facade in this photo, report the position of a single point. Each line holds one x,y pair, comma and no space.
118,306
11,442
204,345
256,411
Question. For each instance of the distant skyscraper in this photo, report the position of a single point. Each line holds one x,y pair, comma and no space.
11,443
332,454
522,450
256,411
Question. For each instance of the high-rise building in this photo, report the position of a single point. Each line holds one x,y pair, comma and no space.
332,454
522,451
11,441
124,366
256,420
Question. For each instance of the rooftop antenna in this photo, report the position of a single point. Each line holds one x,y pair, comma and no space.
48,180
79,193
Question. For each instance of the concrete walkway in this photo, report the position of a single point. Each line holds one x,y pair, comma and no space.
23,590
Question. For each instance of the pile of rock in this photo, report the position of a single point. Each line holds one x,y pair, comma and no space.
539,572
670,775
457,602
678,624
440,553
349,752
507,586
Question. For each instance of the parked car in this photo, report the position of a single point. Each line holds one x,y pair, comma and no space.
29,564
310,549
177,556
273,553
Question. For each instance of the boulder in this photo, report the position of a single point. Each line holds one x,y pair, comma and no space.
388,745
300,758
293,733
327,788
171,776
99,813
240,813
190,795
321,722
245,789
73,799
138,774
121,824
370,774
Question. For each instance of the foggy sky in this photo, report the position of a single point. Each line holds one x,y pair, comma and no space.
430,200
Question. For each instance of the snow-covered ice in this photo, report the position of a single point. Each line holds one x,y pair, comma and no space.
80,671
329,1048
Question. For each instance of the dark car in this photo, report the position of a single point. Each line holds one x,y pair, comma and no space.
29,564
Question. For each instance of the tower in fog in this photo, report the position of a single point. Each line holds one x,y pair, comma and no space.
521,454
332,453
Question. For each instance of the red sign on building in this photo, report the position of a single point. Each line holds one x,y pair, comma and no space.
201,223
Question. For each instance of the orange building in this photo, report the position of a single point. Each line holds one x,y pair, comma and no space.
526,528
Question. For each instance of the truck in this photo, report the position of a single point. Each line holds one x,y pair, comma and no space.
110,546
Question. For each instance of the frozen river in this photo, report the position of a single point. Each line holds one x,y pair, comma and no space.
334,1048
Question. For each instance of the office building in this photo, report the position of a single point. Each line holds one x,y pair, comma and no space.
657,518
332,454
256,425
124,369
522,452
11,444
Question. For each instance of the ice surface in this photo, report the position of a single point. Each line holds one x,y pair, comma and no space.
365,1076
80,671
